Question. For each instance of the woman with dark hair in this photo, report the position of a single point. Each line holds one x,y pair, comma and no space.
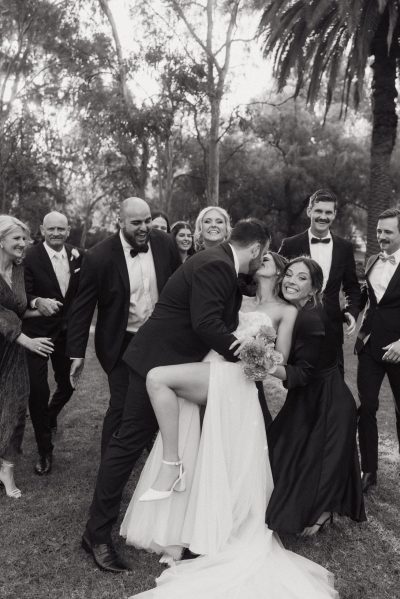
312,441
160,221
184,239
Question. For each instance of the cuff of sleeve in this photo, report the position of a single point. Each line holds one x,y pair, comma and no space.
33,303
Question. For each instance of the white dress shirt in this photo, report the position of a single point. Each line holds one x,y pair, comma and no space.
381,274
322,254
59,261
143,285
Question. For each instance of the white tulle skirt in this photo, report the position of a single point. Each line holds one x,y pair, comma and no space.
221,514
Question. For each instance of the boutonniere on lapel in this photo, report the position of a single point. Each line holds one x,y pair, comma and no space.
74,254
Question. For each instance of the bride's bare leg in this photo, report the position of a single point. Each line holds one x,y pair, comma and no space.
164,385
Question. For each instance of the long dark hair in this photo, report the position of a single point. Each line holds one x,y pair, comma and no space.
316,275
178,226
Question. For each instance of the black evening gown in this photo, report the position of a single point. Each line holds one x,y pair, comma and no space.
14,378
312,441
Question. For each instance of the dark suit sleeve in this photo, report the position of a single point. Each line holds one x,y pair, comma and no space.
82,309
306,351
29,282
213,286
350,284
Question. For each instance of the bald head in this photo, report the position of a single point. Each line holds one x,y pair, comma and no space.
55,230
135,221
133,205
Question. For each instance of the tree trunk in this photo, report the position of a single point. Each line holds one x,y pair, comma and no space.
213,154
384,127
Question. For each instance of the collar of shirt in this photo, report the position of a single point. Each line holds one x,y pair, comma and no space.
310,235
51,252
396,256
235,258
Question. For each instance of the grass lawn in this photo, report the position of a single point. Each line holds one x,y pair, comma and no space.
40,553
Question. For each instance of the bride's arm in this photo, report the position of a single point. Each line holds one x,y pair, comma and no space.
285,331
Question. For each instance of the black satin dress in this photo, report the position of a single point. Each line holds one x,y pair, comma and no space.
312,441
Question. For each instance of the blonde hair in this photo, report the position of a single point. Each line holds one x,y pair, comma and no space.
198,227
9,223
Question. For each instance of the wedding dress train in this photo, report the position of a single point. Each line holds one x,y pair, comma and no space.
221,516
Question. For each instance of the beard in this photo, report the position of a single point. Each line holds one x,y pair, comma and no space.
134,241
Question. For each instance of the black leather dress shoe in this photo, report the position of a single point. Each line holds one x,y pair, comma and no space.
105,556
44,464
368,480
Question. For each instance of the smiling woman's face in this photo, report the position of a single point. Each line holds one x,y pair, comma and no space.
213,227
297,285
13,244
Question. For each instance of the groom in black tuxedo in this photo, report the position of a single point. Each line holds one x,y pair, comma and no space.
378,340
197,311
123,276
52,270
336,258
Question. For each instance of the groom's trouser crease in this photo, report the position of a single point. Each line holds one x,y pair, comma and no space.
137,428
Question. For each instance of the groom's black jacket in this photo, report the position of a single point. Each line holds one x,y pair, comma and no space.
197,311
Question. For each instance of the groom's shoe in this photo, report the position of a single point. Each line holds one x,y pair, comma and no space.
104,556
44,464
368,480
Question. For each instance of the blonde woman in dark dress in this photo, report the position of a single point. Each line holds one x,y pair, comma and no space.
14,380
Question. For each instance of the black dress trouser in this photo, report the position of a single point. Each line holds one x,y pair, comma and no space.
118,381
43,414
137,428
370,375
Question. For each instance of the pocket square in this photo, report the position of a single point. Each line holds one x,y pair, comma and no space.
76,270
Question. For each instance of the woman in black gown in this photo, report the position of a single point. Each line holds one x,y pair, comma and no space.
312,441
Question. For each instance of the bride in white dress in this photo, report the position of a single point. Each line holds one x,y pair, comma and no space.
221,515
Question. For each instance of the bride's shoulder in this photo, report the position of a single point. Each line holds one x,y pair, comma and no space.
288,309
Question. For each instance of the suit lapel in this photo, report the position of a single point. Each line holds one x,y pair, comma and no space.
392,283
158,259
335,256
120,262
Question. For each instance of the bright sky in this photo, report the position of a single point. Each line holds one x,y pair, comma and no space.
249,76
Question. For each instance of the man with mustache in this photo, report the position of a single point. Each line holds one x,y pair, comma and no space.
378,340
336,258
52,270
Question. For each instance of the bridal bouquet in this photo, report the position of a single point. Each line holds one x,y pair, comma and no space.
259,356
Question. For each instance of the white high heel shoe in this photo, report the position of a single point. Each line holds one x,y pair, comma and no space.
7,479
178,485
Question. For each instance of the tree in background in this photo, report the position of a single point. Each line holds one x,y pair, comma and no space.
320,39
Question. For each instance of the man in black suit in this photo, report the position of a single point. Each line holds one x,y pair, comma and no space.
197,311
378,340
51,279
123,276
336,258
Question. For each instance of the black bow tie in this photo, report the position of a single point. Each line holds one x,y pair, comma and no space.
139,250
319,240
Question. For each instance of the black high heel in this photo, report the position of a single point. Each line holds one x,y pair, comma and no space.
322,524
